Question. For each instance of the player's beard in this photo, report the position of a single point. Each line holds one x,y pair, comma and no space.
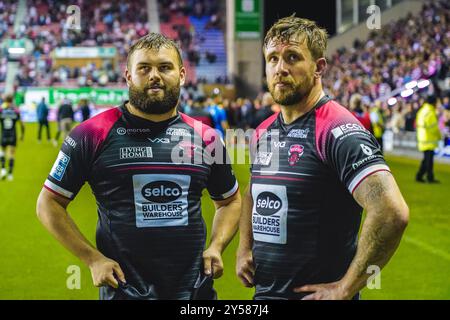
291,94
154,104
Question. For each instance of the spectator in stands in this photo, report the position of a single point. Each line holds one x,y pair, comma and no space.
23,79
211,57
264,111
410,118
42,117
200,114
360,111
218,114
378,122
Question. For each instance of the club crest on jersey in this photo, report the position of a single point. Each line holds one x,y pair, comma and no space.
294,153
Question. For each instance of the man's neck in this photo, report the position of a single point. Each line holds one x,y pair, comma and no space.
152,117
293,112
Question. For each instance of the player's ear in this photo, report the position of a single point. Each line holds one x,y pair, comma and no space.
127,76
182,76
321,65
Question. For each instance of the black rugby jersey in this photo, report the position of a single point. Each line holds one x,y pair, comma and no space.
305,221
8,120
147,178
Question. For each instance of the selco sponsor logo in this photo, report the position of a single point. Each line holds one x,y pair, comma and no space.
298,133
122,131
178,132
346,128
268,204
161,191
136,152
70,142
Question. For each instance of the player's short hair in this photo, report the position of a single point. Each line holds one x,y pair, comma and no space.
154,41
286,28
8,97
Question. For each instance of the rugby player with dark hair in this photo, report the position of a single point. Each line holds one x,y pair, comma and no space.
150,234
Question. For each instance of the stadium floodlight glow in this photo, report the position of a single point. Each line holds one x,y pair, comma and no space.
16,50
392,101
411,85
407,93
423,83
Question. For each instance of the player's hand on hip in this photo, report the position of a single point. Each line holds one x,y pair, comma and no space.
212,262
103,270
245,269
324,291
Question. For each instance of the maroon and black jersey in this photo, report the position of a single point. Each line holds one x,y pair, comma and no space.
147,178
305,220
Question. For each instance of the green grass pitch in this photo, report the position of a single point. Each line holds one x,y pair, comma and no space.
34,266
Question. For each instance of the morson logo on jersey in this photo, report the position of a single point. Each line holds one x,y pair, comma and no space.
161,191
268,204
294,153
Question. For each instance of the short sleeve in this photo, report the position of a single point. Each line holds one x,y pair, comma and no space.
222,182
353,153
72,165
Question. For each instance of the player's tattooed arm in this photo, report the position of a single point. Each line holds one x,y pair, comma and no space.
386,218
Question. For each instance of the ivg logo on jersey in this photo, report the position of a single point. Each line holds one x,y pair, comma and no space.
294,153
60,166
298,133
346,128
268,204
136,152
161,191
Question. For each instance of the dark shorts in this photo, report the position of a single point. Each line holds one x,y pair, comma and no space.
9,141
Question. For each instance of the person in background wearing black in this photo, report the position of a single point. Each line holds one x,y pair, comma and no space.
84,108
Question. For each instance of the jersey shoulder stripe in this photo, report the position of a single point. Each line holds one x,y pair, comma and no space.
328,116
